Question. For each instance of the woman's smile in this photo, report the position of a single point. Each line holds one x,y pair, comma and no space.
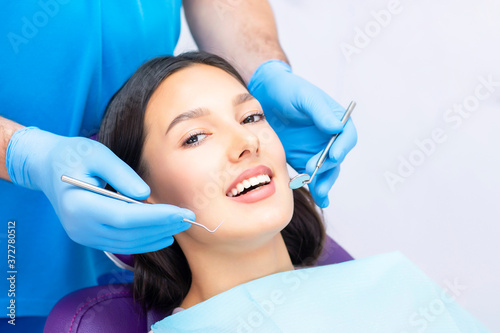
252,185
260,193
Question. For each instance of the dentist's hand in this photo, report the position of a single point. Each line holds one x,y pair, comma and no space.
305,118
37,159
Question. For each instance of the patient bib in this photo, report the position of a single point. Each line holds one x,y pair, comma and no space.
385,293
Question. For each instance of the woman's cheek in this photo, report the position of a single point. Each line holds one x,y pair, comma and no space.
277,149
169,181
197,184
267,136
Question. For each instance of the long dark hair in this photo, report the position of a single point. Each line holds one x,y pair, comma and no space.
162,278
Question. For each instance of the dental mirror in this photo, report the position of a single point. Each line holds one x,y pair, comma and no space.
299,181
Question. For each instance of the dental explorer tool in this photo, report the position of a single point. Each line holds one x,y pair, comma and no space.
114,195
303,178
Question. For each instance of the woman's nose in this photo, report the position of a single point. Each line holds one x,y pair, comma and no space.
243,143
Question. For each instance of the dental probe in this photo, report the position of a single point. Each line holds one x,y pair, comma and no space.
114,195
303,178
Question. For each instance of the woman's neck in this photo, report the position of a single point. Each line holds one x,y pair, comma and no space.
214,272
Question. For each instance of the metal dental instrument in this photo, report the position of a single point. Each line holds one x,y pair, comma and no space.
114,195
303,178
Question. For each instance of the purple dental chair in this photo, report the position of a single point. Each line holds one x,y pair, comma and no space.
111,308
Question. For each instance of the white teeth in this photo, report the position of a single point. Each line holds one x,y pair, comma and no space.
253,181
247,183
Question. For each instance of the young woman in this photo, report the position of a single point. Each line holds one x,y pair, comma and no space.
192,131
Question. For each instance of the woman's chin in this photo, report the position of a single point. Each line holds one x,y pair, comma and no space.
262,222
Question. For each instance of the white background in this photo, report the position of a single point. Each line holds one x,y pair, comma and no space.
445,214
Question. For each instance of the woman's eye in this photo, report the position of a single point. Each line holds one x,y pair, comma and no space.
195,139
253,118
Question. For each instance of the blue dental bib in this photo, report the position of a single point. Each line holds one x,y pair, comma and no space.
383,293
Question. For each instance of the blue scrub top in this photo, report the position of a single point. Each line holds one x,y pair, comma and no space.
60,63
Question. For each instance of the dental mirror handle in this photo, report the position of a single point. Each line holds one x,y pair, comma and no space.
344,120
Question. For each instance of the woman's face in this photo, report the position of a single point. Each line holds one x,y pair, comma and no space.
207,141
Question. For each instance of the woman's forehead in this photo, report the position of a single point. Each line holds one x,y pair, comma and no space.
197,86
200,78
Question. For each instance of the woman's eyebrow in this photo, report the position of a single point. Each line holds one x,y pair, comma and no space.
199,112
191,114
242,98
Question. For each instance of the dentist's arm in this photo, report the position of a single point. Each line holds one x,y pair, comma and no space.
37,159
7,128
241,31
304,117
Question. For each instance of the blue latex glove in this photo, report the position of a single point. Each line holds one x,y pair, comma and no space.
37,159
305,118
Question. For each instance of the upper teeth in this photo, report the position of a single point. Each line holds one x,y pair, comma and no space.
240,187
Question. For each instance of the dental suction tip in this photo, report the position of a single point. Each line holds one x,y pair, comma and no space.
298,181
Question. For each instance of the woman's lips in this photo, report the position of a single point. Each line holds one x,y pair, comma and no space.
261,193
247,175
